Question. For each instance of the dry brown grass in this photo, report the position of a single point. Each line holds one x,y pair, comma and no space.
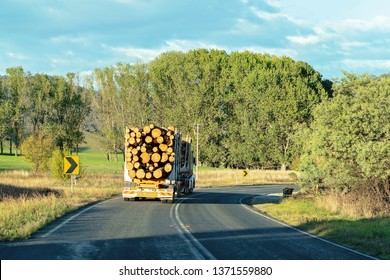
235,177
29,202
356,203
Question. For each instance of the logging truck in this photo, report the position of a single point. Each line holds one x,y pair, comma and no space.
158,164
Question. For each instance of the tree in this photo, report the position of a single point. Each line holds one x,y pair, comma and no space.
5,116
272,99
37,149
188,89
133,105
37,100
347,146
106,105
15,92
68,107
249,106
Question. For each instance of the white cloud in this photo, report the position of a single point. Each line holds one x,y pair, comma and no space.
349,33
139,53
273,3
378,23
62,39
16,56
243,26
304,40
383,64
267,16
145,54
272,51
349,45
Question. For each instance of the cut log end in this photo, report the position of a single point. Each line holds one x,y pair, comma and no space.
158,173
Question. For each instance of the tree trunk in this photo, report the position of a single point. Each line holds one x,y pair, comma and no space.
158,173
156,132
149,152
168,167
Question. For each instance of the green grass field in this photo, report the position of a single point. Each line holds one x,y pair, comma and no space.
92,160
11,162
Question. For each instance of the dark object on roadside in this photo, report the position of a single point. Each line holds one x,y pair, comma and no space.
287,192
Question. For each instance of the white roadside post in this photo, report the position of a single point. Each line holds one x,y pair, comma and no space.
72,168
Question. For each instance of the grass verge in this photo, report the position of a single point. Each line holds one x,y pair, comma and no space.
231,177
28,203
370,235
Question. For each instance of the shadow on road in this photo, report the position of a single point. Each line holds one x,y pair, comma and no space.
271,243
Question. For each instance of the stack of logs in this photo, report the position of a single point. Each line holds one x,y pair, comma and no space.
149,153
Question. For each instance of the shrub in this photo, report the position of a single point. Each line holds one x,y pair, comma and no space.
37,149
57,164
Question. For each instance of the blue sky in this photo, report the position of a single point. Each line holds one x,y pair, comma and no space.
60,36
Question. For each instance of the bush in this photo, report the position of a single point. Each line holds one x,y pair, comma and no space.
37,149
347,149
57,164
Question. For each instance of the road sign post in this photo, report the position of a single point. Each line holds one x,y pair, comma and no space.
72,183
72,168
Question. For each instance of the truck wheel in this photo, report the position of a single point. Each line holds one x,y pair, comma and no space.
126,199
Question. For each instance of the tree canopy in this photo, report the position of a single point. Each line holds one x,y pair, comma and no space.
348,143
33,104
249,106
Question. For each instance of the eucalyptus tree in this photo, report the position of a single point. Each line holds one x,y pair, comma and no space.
68,107
348,144
15,86
5,116
37,101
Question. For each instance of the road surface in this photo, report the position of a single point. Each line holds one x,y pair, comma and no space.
213,223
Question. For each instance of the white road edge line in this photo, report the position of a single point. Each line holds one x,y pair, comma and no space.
196,247
304,232
69,219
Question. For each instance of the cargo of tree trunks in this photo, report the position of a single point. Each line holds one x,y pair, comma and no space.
158,164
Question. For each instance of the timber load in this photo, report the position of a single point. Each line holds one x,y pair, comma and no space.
149,152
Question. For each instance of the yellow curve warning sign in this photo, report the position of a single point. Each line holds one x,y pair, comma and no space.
71,165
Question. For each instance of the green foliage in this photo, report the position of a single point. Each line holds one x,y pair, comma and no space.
37,149
122,99
57,164
249,106
348,142
14,89
31,103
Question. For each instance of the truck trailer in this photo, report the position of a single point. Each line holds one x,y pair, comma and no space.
158,164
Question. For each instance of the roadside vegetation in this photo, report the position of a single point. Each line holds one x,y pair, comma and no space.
253,111
326,216
345,166
213,177
29,202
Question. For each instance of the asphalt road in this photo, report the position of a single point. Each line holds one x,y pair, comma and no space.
213,223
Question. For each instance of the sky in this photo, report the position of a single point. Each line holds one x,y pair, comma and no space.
60,36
